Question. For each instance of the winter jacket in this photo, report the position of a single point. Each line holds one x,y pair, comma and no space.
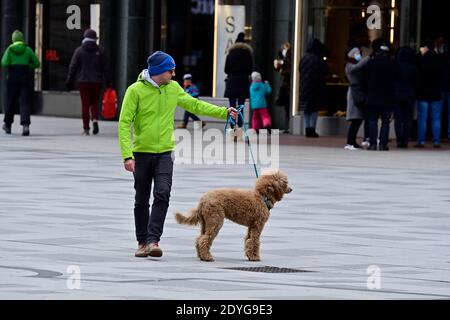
238,67
258,92
353,73
431,74
19,54
313,70
379,77
150,110
192,90
90,63
407,79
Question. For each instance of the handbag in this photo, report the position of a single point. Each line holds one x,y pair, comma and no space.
109,104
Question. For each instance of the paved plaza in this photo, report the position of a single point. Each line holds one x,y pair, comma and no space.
358,225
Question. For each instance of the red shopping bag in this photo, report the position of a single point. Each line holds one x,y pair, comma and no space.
109,104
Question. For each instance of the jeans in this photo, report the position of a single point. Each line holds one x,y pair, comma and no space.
374,114
157,168
18,85
403,115
422,117
310,119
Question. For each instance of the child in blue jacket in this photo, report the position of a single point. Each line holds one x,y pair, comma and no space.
258,90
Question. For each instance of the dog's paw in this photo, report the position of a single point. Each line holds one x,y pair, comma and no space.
207,259
254,258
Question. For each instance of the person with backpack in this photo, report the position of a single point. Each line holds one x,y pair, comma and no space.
19,60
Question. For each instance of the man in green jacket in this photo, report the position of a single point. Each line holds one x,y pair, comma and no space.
20,61
149,107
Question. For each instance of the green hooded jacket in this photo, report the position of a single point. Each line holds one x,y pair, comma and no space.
19,54
150,110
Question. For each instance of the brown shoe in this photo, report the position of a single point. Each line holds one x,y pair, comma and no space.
182,126
142,251
154,250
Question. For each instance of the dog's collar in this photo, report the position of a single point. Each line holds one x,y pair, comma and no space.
266,202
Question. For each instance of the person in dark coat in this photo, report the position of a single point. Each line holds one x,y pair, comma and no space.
283,65
238,67
313,70
429,96
379,76
405,94
90,63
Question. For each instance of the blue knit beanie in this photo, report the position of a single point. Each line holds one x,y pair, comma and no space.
160,62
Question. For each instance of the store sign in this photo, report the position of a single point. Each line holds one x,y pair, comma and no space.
202,7
230,22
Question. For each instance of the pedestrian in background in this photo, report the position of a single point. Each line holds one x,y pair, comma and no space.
238,67
148,110
379,76
283,65
191,89
405,95
258,90
446,81
90,65
313,70
356,98
429,96
19,60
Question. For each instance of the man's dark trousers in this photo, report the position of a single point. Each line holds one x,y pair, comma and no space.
19,85
156,168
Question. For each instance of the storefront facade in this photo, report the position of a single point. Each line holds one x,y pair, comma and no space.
190,30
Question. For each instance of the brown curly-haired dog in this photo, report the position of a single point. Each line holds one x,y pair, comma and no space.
246,207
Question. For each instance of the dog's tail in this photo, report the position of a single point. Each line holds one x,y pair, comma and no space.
192,219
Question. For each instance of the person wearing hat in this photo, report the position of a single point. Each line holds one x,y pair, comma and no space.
20,60
148,110
90,63
193,91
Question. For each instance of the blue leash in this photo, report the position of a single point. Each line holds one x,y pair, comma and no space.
240,111
230,119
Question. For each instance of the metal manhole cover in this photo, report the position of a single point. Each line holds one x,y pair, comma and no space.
267,269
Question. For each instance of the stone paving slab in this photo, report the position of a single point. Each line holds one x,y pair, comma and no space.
65,200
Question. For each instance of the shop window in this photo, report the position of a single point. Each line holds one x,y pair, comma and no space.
58,34
343,24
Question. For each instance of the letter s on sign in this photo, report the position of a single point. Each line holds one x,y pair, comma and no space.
230,24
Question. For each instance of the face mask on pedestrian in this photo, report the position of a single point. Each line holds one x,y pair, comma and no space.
358,57
284,52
